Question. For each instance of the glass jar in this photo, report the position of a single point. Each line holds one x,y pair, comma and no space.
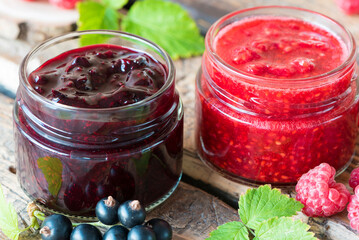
257,129
70,157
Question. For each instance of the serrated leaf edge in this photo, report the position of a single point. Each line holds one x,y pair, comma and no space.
12,235
289,218
252,191
174,56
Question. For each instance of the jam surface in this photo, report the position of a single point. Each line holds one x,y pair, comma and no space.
127,157
275,133
99,76
279,48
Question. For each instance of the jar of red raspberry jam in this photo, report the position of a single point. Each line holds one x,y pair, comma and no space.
97,121
276,95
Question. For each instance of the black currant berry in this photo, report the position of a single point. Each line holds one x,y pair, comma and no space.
56,227
141,232
86,232
131,213
116,233
106,211
162,229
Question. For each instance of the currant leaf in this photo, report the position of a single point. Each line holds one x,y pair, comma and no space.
8,218
52,169
263,203
166,24
283,228
230,231
115,4
94,16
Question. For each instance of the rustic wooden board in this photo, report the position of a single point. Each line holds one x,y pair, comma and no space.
181,209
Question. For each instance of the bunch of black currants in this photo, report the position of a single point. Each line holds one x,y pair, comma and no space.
131,214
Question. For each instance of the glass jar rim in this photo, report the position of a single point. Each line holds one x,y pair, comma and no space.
273,81
168,61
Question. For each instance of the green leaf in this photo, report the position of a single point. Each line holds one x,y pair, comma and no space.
283,228
142,163
166,24
52,169
230,231
263,203
93,16
8,218
115,4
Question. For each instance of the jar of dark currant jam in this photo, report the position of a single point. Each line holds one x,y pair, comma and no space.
97,121
276,95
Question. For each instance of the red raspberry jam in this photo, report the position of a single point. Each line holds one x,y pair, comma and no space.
97,121
276,95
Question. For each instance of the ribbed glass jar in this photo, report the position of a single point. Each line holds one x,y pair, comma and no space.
272,130
69,157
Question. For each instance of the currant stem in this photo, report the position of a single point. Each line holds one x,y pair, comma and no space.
97,224
34,223
39,215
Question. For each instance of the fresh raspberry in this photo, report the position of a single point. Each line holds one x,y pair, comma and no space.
67,4
320,194
354,178
348,6
353,210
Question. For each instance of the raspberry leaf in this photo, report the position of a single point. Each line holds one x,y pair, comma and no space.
115,4
8,219
283,228
52,169
166,24
263,203
230,231
95,15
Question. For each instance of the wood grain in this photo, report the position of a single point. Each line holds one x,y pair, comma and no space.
192,212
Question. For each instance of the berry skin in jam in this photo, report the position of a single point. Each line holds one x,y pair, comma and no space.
258,119
99,76
102,140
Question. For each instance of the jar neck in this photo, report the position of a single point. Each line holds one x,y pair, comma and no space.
280,103
99,129
273,96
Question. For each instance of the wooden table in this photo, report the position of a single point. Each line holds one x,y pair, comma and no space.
193,213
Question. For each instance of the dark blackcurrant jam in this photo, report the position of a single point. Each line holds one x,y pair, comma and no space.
96,121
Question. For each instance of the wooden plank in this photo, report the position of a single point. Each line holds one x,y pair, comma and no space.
336,227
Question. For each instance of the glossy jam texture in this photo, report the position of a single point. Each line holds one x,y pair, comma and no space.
279,48
99,76
258,132
140,158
